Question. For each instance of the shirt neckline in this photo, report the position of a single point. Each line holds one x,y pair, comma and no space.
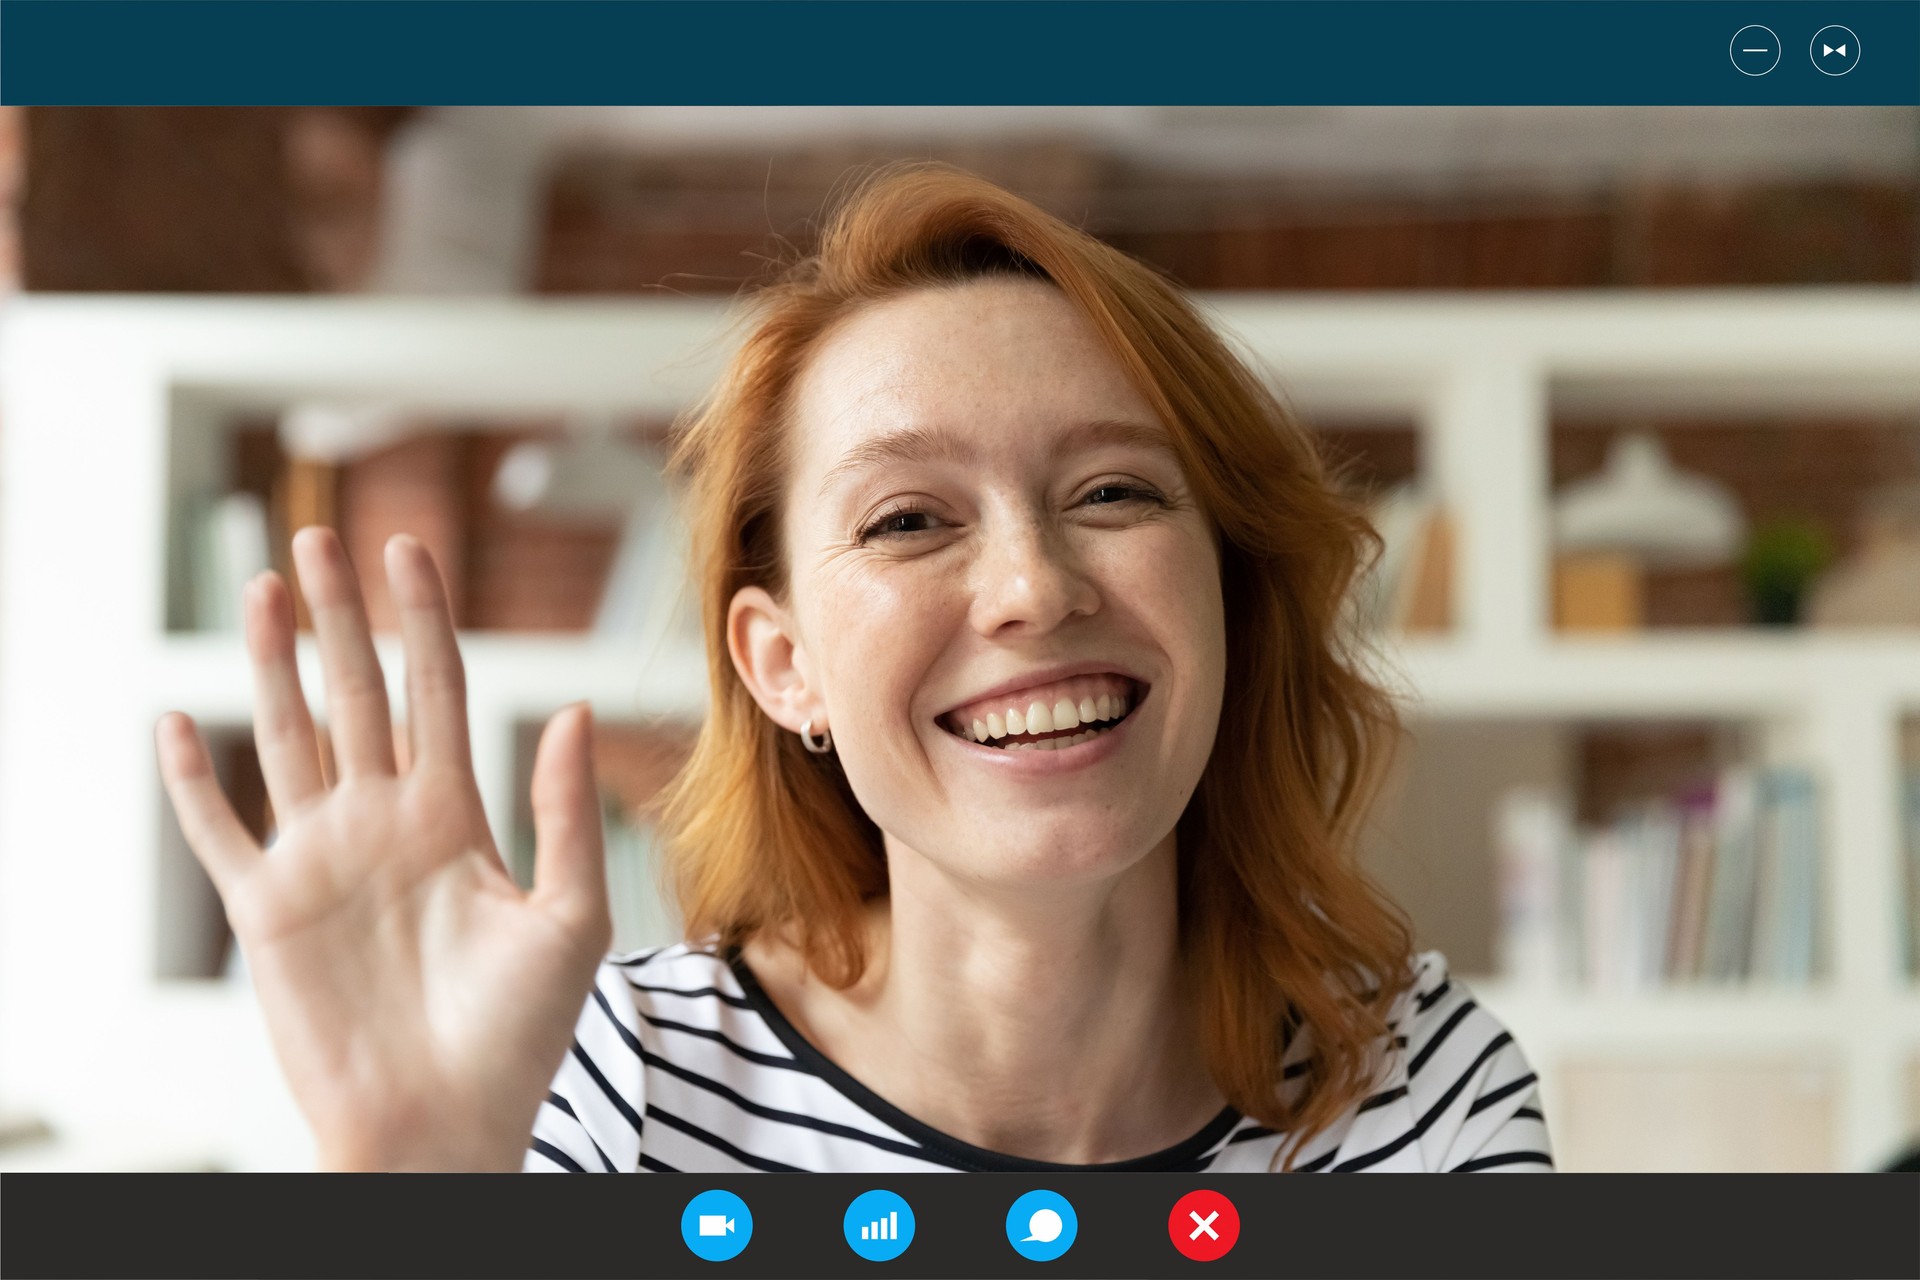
1180,1156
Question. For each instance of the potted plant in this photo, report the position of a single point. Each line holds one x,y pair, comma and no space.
1782,558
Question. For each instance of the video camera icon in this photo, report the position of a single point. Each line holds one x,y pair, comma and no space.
716,1225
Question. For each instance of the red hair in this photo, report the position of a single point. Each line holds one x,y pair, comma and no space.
1283,933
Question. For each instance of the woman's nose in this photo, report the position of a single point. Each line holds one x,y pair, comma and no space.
1029,577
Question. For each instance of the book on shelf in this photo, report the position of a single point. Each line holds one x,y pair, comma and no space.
1910,828
635,894
1717,883
1409,589
227,543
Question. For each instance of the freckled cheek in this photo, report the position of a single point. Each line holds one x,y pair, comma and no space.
1174,589
876,637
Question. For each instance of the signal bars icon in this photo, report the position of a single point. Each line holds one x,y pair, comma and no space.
887,1228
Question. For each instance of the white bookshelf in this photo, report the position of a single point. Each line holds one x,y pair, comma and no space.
110,406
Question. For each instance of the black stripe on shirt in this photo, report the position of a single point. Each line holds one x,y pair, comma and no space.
559,1103
1434,996
1529,1113
693,993
1504,1158
718,1143
606,1086
556,1155
651,1165
1492,1096
793,1118
1446,1029
1383,1098
644,957
1433,1113
739,1050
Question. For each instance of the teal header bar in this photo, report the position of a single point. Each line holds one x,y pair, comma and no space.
1014,52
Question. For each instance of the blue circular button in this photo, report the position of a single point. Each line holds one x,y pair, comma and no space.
1835,51
1755,50
879,1226
716,1225
1042,1225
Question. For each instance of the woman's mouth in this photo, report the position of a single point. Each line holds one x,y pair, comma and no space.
1048,717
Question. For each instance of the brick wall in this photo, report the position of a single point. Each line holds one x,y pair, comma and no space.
202,199
619,222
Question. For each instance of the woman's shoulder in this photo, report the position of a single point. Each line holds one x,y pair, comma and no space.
1456,1091
667,969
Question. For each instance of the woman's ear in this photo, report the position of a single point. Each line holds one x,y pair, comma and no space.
766,651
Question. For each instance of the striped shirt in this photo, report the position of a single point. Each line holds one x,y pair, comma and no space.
681,1063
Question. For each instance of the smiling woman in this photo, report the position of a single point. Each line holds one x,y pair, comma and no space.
1020,835
1077,885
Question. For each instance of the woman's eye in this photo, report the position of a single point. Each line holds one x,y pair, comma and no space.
896,523
1108,494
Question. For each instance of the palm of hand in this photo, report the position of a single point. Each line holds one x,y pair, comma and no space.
418,999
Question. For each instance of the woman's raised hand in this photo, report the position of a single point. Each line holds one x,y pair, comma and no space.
419,1000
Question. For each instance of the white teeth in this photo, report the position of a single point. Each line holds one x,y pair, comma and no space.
1038,718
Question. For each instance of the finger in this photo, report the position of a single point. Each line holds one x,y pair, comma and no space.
569,856
282,725
357,712
214,832
436,677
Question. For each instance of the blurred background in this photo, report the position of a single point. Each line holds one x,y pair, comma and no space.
1634,394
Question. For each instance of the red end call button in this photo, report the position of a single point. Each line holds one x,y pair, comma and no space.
1204,1225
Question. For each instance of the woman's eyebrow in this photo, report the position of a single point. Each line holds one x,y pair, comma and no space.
909,444
924,444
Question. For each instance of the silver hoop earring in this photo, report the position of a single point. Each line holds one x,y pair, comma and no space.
820,748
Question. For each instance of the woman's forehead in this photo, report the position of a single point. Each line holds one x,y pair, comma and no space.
990,356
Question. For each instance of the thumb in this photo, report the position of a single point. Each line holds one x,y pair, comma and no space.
569,856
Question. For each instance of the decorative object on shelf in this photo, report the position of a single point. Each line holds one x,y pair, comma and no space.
1640,513
1410,587
1879,585
1598,591
1782,559
1640,503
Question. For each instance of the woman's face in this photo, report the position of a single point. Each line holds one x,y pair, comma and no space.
989,537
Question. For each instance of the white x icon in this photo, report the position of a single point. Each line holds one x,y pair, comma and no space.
1206,1225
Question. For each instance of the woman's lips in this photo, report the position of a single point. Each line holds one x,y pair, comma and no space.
1058,741
1057,752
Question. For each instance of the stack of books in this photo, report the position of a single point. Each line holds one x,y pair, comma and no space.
1718,884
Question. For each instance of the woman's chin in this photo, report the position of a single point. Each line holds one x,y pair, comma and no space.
1043,860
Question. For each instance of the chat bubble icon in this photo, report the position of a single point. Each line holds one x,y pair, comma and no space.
1044,1226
